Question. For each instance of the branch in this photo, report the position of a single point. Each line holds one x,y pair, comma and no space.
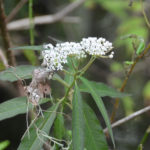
5,36
46,19
144,14
135,114
126,80
15,10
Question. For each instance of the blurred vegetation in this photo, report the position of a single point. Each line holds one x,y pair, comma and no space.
115,20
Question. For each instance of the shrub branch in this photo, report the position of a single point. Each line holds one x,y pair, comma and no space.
116,104
5,36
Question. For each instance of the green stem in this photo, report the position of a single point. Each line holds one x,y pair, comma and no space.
144,138
61,81
76,74
68,90
144,14
84,69
31,22
65,71
70,87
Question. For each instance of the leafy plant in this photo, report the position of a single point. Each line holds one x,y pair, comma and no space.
55,93
83,117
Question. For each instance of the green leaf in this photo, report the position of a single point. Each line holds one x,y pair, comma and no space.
43,124
17,73
38,48
68,78
4,145
73,63
58,78
59,129
31,56
140,48
77,121
94,136
102,90
129,62
15,106
100,105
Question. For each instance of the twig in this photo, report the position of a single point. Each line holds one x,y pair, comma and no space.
126,80
15,10
144,14
5,36
135,114
23,24
46,19
3,58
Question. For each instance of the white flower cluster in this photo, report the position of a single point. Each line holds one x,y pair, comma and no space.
55,56
97,46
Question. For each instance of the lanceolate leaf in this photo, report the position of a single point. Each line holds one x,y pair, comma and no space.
100,105
59,129
94,136
102,90
141,47
15,106
31,56
17,73
43,124
77,121
38,48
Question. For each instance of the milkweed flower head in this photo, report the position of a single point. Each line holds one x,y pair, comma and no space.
55,56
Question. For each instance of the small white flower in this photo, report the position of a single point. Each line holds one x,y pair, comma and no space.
111,55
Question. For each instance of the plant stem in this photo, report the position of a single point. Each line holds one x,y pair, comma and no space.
70,87
144,14
125,119
68,90
65,71
5,36
76,74
87,66
115,107
61,81
15,11
144,138
31,22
